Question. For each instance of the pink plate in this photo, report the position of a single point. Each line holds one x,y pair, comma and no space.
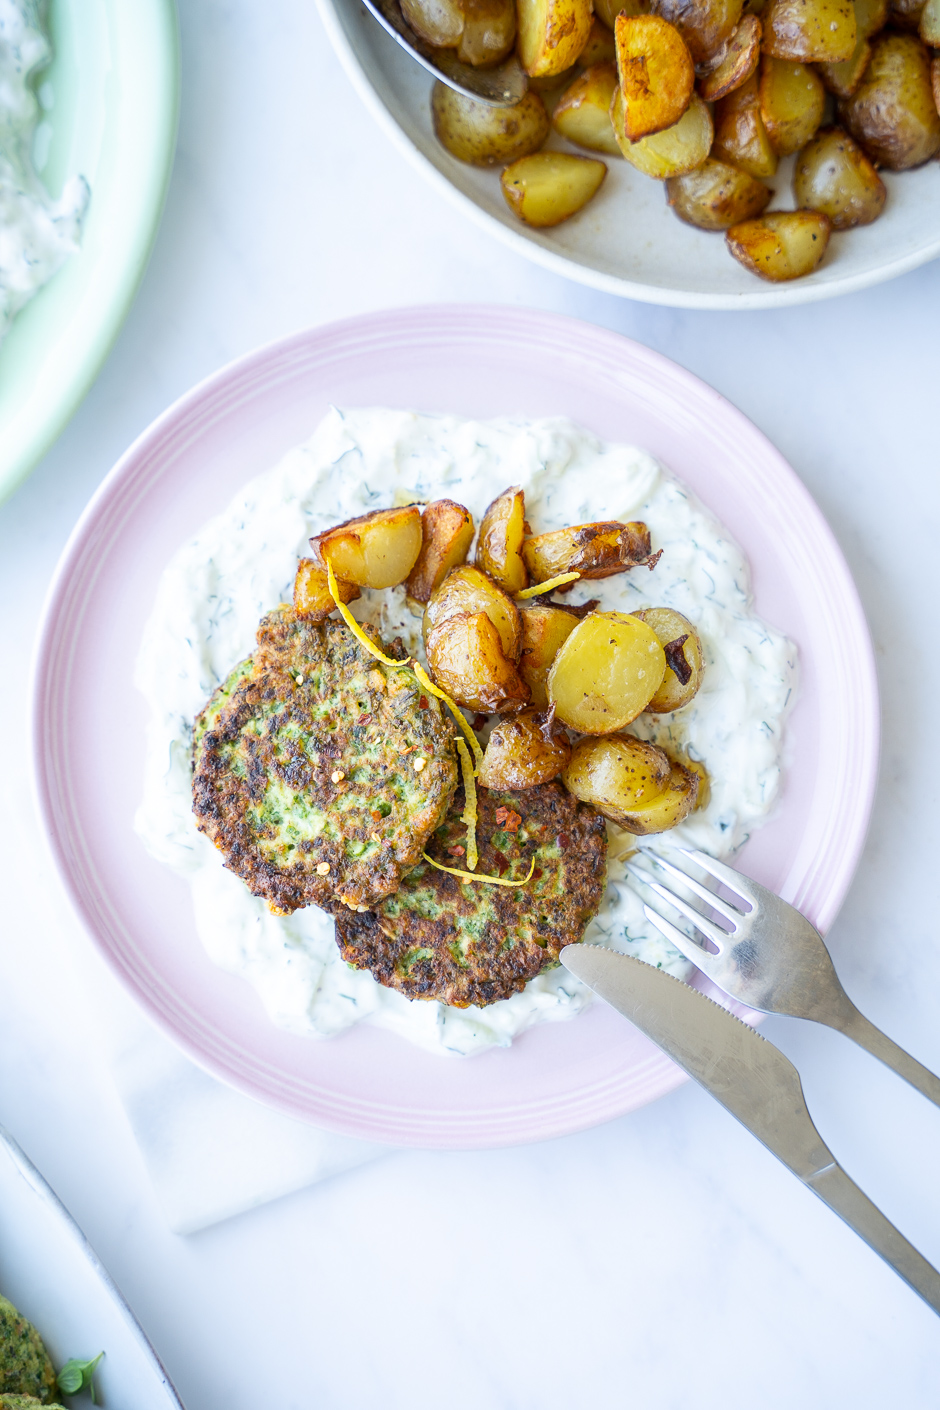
89,721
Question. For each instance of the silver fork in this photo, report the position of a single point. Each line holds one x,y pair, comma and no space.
770,958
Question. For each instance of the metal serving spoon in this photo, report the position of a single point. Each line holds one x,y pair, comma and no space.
502,86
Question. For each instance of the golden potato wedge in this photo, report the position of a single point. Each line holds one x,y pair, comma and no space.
617,774
812,31
740,60
312,597
489,31
483,135
375,550
446,535
608,10
834,176
671,153
606,673
544,629
870,17
551,34
715,196
582,114
593,550
600,47
892,113
685,661
842,79
669,808
906,14
467,590
740,135
549,187
930,23
499,546
705,25
440,22
466,659
780,245
523,752
792,103
656,74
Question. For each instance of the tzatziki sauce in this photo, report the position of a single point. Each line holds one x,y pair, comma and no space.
242,564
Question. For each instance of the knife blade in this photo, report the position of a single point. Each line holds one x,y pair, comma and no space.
752,1080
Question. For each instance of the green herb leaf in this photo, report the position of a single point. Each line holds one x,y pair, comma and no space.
77,1375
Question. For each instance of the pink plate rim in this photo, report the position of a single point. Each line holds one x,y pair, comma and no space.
823,858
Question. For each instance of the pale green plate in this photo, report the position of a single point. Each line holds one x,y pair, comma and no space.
114,85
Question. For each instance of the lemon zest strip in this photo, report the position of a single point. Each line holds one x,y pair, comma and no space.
480,876
455,710
352,624
469,814
547,586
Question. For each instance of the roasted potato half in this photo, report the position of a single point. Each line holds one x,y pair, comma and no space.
741,138
375,550
600,47
582,114
499,546
439,22
705,25
781,245
892,113
656,74
671,153
740,61
446,535
465,654
524,752
906,14
842,79
549,187
870,17
812,31
489,31
669,808
792,103
551,34
606,673
593,550
544,629
617,775
930,23
833,175
483,135
312,597
467,590
715,196
685,662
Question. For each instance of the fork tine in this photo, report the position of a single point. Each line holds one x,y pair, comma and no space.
699,956
730,914
734,880
715,934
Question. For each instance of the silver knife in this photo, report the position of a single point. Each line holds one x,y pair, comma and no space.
755,1082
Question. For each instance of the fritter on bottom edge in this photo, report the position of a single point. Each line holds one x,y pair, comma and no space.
467,942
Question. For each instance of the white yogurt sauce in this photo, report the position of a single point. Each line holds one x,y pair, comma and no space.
242,564
37,234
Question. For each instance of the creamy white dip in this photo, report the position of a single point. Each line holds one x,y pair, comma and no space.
242,564
37,234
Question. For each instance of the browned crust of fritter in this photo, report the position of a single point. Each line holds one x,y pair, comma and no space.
462,942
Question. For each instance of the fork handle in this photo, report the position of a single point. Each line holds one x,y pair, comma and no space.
842,1195
867,1036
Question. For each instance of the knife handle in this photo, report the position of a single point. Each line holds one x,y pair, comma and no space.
842,1195
867,1036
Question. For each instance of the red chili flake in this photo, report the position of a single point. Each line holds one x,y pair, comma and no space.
456,851
365,719
512,822
423,702
564,841
479,721
501,863
502,814
537,874
376,815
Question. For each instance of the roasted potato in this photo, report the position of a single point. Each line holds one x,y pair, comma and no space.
842,79
685,662
524,752
489,31
780,245
935,80
930,23
483,135
608,10
312,597
906,14
466,659
740,60
582,114
892,113
440,22
705,25
671,153
549,187
656,75
606,673
792,103
740,135
593,550
870,16
715,196
600,47
499,546
467,590
834,176
446,535
813,31
669,808
375,550
617,775
551,33
544,628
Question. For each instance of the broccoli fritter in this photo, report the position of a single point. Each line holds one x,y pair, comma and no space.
319,772
25,1368
467,942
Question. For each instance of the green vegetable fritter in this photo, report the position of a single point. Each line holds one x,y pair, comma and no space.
25,1368
466,942
319,772
23,1402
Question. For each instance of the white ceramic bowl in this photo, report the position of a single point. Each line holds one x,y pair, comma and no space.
626,241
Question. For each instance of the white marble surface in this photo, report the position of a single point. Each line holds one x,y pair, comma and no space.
665,1260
